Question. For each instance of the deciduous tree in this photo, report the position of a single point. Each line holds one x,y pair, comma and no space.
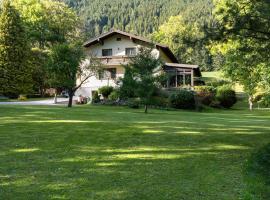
69,69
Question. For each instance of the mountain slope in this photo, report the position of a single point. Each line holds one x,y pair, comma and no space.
137,16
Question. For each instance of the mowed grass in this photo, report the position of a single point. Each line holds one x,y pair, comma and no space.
117,153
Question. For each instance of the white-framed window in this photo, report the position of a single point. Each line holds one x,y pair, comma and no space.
131,51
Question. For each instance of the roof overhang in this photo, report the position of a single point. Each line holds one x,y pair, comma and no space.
195,68
133,37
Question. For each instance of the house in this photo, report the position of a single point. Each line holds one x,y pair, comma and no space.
115,48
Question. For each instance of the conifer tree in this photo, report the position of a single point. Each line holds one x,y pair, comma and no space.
15,71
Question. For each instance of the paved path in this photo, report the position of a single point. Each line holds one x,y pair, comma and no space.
46,102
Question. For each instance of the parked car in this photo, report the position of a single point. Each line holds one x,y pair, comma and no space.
64,94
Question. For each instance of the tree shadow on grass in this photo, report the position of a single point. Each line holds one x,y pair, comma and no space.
63,154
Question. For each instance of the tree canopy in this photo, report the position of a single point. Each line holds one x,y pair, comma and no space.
243,37
15,73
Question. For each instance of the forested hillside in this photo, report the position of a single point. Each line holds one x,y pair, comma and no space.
138,16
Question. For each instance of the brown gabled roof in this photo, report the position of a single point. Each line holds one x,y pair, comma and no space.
112,32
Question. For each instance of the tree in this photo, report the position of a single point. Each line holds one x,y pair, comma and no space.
68,69
40,74
242,35
187,39
15,73
48,22
143,67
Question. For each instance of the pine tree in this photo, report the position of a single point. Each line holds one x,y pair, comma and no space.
15,71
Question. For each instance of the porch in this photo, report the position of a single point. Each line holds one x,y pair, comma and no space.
180,75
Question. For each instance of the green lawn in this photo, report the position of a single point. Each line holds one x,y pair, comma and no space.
117,153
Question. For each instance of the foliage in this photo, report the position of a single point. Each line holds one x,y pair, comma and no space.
40,74
142,68
134,103
96,97
187,40
206,94
22,97
64,64
105,91
182,99
141,16
218,83
226,96
48,22
15,71
159,102
243,35
264,101
127,85
115,95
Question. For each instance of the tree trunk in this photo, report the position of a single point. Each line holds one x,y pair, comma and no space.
145,109
55,98
250,102
70,100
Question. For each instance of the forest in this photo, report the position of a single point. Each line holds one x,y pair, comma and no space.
141,17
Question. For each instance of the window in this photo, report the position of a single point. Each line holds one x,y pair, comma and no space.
130,51
101,75
112,73
109,73
106,52
118,39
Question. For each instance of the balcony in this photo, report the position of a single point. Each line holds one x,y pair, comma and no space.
114,60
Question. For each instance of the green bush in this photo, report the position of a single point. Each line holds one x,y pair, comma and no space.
226,96
218,83
264,101
105,91
114,96
182,99
95,98
133,103
205,94
22,97
160,102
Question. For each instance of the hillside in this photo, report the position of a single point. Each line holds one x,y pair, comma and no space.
138,16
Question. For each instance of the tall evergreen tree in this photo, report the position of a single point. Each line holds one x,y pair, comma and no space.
15,73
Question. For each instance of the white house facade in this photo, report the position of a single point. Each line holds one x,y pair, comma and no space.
114,50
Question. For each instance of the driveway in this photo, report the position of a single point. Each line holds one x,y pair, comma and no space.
46,102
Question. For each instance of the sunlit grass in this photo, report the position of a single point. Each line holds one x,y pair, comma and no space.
117,153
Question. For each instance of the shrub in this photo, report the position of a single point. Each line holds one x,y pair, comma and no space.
205,94
265,101
22,97
114,96
226,96
218,83
96,98
33,96
133,103
106,91
182,99
160,102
